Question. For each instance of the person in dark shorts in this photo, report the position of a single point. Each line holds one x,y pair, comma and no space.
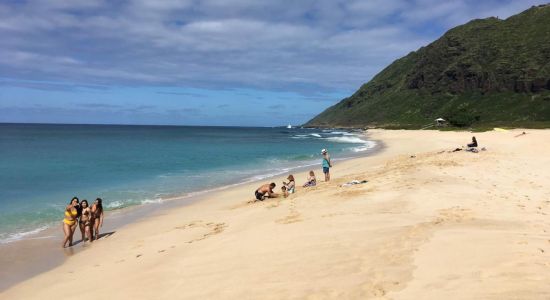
266,190
326,164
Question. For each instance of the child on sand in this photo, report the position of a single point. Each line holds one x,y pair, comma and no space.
284,191
311,180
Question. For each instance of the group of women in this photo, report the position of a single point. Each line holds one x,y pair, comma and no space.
88,219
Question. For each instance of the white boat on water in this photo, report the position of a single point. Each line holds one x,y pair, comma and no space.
289,126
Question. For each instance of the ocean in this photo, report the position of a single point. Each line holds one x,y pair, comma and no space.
43,166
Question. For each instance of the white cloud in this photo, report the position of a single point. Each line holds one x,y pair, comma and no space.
324,44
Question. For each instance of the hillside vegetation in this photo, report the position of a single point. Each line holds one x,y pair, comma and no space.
488,72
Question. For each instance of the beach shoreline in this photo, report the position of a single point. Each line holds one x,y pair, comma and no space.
471,225
43,246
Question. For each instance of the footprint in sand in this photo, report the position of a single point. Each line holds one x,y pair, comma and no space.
454,214
214,228
292,217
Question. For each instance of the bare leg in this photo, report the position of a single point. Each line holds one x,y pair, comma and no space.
328,176
73,228
96,228
88,230
81,231
67,232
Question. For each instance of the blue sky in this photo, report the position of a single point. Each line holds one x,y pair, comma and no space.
208,62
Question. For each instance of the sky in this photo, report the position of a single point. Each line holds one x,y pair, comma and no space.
208,62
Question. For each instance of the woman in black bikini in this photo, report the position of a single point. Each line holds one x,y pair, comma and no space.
97,217
85,221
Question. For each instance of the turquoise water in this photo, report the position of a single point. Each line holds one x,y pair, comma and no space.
43,166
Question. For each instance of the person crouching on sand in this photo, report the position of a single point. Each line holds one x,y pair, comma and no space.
326,164
311,180
266,190
69,222
85,222
97,217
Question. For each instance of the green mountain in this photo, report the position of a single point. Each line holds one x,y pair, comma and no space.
487,72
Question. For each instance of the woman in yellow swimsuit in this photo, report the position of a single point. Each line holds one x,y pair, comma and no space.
69,222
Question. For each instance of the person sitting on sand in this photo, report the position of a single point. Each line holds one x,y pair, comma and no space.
85,222
97,217
473,144
284,191
291,185
266,190
69,222
311,180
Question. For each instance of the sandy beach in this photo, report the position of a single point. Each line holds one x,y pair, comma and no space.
428,224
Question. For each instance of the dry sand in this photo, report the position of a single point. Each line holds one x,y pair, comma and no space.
437,225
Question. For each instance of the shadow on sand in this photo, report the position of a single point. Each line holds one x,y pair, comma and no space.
71,250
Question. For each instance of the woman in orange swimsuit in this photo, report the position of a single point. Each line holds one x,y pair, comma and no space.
69,222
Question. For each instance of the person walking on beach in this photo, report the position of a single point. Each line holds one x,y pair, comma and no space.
97,217
266,190
69,222
326,164
85,222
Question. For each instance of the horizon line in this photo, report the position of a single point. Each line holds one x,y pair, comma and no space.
158,125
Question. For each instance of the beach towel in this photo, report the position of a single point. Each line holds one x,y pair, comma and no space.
353,182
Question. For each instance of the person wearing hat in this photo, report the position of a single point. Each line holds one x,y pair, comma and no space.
326,164
291,185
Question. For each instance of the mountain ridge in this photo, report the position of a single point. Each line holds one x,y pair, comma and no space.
485,72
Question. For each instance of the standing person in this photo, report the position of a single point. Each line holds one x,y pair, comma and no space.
69,222
85,222
97,217
326,164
